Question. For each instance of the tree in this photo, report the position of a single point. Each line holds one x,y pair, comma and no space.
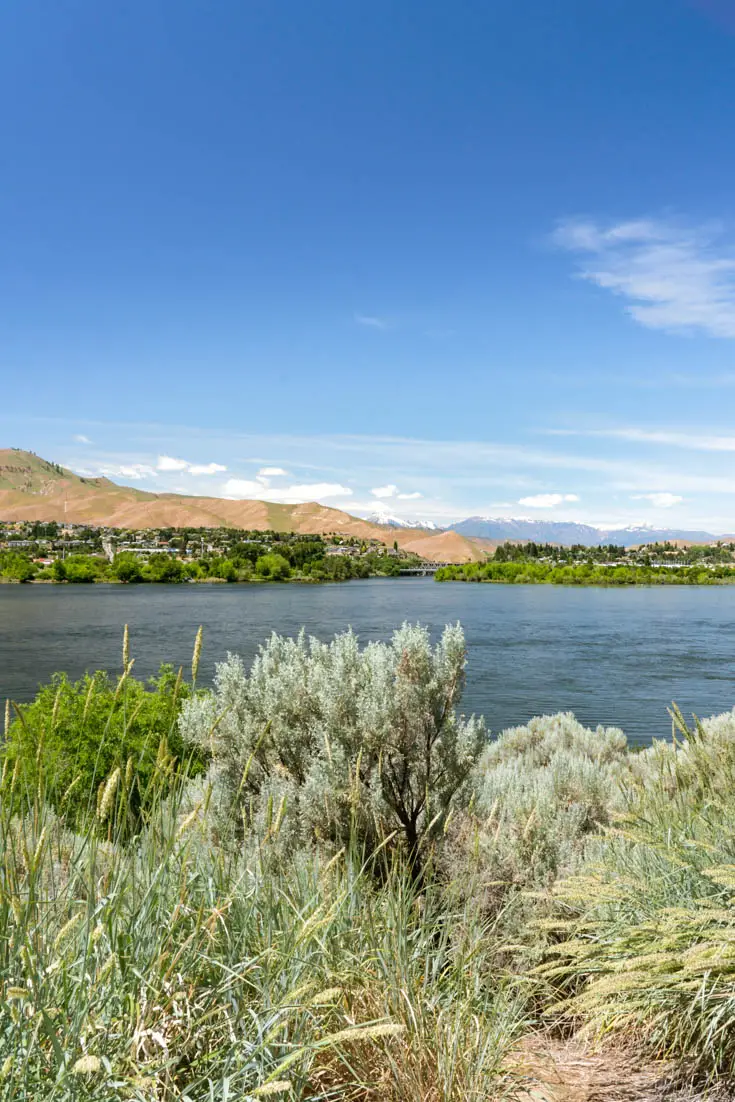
223,568
126,567
16,566
163,568
273,566
348,743
81,568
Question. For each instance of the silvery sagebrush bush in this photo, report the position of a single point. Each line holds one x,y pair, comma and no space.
540,791
336,742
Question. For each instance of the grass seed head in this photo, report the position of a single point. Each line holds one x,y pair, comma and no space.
86,1065
197,655
108,795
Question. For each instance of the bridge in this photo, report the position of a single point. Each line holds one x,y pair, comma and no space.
422,570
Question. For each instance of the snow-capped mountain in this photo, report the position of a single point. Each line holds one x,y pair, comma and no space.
646,533
540,531
382,516
569,532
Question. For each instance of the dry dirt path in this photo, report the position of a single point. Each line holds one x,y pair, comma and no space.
570,1072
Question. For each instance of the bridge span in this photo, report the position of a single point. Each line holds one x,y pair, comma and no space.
422,570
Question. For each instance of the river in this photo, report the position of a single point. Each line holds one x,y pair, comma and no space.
612,656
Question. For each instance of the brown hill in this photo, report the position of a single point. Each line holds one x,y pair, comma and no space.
31,489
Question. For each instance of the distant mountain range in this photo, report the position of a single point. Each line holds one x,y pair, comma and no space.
499,529
564,533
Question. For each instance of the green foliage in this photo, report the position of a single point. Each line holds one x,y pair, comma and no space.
223,568
387,565
16,566
169,555
302,551
83,568
340,741
126,567
77,734
80,568
274,567
164,568
526,572
532,551
337,568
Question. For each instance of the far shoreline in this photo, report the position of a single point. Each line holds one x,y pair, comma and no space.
669,583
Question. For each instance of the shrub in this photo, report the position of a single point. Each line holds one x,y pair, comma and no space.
540,791
75,736
273,566
340,740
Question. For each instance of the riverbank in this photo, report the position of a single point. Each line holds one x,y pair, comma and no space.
253,580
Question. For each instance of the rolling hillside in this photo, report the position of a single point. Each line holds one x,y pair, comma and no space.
31,488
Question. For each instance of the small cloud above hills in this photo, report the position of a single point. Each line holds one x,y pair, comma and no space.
546,501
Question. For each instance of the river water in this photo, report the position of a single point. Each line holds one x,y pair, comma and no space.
612,656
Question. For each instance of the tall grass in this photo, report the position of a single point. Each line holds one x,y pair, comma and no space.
171,970
162,966
648,927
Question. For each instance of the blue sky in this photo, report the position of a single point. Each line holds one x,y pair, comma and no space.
478,257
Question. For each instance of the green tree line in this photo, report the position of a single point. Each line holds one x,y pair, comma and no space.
542,573
303,560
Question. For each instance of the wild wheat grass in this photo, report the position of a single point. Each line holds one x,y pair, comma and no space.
345,892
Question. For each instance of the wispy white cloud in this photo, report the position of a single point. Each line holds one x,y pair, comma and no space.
285,495
546,501
660,500
701,441
135,472
371,321
676,278
167,463
391,490
384,491
272,472
242,487
205,468
80,438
